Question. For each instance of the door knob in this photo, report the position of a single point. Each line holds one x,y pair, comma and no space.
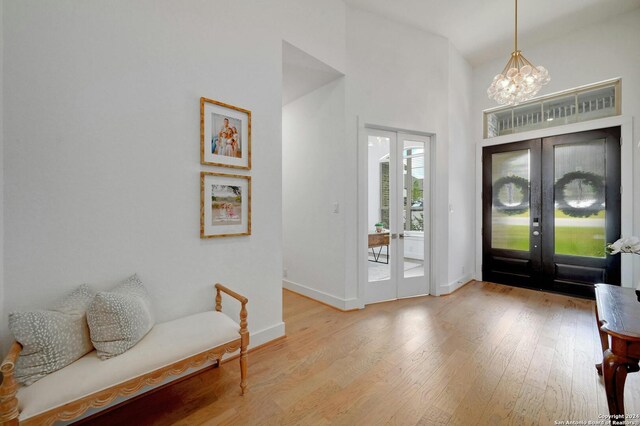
536,233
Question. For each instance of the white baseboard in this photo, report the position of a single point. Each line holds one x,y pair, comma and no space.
454,285
266,335
320,296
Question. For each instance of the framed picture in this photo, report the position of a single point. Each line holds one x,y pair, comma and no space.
225,205
225,135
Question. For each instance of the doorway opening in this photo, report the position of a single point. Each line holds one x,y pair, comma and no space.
550,206
313,129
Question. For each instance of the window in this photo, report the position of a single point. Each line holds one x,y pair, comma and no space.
571,106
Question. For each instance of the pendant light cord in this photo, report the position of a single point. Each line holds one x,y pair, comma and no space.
516,32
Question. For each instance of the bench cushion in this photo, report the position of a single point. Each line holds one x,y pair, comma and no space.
164,345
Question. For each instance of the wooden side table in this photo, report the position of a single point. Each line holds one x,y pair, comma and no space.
618,317
379,239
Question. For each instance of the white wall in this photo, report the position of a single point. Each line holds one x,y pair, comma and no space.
461,173
595,53
3,331
313,129
101,139
316,27
397,76
102,153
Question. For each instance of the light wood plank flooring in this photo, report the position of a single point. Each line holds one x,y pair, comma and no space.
486,354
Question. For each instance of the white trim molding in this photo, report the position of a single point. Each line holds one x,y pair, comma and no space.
321,296
266,335
455,284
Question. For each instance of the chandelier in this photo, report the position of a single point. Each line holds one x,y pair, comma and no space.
520,80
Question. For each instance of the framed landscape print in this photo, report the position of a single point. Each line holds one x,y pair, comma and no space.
225,205
225,135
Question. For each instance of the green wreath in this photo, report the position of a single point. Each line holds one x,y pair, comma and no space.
596,182
520,183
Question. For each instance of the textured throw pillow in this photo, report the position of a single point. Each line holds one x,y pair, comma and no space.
119,318
52,339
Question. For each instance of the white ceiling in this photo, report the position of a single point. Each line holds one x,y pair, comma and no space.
483,29
302,73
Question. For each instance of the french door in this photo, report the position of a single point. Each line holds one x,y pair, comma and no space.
397,216
549,208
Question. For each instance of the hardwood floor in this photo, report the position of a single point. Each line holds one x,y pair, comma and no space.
486,354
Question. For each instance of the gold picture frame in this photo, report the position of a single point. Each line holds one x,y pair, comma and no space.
225,205
225,135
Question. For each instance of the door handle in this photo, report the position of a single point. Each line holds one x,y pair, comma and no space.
536,233
394,236
401,236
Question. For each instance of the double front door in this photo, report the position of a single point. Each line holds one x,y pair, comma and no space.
550,206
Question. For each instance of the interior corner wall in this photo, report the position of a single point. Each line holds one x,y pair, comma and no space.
584,56
313,139
317,27
461,173
3,322
102,140
397,76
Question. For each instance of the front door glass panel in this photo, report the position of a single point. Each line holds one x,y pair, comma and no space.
510,210
579,199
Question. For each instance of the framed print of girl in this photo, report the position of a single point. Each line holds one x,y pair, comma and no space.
225,135
225,205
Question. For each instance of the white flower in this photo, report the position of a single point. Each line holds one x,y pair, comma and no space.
625,245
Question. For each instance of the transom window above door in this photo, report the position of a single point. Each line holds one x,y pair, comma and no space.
570,106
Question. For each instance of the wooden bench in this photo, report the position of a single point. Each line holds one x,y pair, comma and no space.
169,349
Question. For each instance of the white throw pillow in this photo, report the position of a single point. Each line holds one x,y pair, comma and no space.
119,318
52,339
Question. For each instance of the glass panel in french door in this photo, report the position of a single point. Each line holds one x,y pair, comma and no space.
379,205
413,215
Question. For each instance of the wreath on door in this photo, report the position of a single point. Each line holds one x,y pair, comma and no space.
581,209
512,184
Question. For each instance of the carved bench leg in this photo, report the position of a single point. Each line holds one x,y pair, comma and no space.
244,343
8,402
243,370
9,412
244,331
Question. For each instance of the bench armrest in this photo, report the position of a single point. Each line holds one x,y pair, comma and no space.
8,388
244,332
240,298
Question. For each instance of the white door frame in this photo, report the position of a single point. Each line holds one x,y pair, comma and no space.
626,170
361,234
